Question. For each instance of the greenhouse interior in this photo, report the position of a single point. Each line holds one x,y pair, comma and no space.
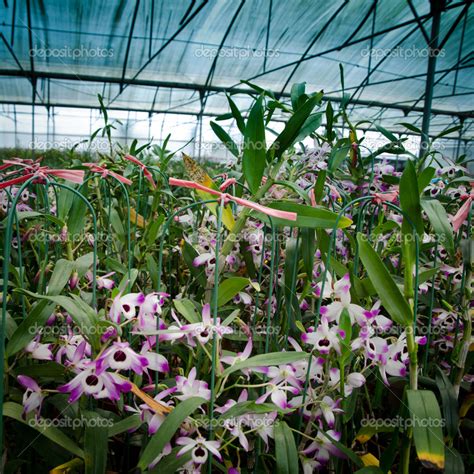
236,236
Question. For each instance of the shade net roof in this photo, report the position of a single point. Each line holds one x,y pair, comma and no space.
182,56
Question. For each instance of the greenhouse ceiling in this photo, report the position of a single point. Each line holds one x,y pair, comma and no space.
182,57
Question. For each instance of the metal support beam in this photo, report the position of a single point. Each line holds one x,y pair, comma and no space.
212,69
129,43
194,114
351,43
455,24
461,44
311,44
372,31
267,35
33,79
212,88
437,7
161,48
420,24
458,146
403,78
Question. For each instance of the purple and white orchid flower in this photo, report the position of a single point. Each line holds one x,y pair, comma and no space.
125,306
200,448
204,331
96,382
32,398
190,387
120,356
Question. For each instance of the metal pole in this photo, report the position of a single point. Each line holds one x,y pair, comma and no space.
436,8
458,147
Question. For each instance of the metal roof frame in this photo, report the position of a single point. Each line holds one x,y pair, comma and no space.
207,88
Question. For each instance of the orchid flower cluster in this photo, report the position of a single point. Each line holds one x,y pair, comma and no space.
226,349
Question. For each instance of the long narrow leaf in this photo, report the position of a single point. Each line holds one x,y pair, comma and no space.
253,161
388,291
427,432
168,429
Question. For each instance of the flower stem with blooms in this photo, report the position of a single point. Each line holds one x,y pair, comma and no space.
462,350
240,222
413,357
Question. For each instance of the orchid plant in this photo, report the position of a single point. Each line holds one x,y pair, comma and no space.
161,316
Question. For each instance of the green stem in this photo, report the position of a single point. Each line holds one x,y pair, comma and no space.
462,350
412,353
240,223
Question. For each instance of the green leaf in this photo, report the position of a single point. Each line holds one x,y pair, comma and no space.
172,462
117,223
29,327
83,263
425,178
186,308
448,131
259,89
388,291
427,432
243,408
253,160
50,369
285,449
348,452
411,127
130,423
308,216
237,115
319,186
95,443
167,430
77,215
297,95
14,410
346,326
292,128
229,288
440,223
31,214
310,125
81,313
152,267
290,275
128,280
386,133
450,403
329,122
265,360
412,222
189,254
367,432
410,197
454,463
338,155
65,199
225,138
60,276
308,248
370,470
